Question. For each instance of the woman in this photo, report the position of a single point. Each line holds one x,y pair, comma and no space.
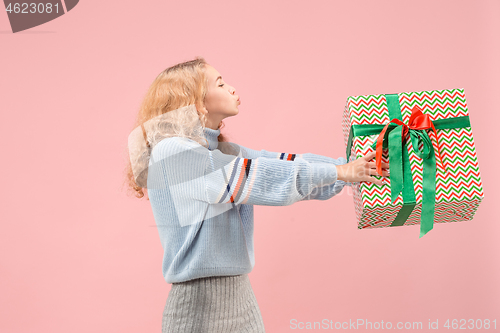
202,190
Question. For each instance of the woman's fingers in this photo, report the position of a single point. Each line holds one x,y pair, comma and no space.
385,173
370,155
374,165
374,172
374,180
366,170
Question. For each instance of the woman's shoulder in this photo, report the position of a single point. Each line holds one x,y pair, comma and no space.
230,148
176,144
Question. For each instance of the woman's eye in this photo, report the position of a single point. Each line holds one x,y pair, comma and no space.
220,85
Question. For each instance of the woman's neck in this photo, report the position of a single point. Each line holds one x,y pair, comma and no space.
212,137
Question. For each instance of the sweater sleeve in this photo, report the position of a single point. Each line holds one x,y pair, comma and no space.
324,192
309,157
192,172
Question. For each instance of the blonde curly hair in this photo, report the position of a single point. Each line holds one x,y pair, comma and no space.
169,108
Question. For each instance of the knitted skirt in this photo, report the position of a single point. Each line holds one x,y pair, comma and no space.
212,304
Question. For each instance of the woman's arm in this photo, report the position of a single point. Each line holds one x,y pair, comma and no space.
318,193
309,157
192,172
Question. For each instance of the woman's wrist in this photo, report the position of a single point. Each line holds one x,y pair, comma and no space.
341,172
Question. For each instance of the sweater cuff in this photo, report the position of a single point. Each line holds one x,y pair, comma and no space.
323,174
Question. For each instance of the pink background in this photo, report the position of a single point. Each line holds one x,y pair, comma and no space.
79,255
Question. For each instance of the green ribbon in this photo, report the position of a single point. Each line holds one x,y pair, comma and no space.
399,162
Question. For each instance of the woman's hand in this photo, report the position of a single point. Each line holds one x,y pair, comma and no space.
361,170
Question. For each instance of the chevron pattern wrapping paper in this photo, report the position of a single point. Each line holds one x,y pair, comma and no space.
459,189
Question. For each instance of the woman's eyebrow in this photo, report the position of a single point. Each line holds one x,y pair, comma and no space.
219,77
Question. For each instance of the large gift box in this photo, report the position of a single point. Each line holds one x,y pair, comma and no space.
426,138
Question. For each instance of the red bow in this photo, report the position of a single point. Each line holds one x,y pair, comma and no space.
418,121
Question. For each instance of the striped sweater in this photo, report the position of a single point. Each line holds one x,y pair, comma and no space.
202,200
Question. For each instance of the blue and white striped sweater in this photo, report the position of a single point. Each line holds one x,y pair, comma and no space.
202,200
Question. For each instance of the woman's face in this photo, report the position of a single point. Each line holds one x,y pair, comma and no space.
220,100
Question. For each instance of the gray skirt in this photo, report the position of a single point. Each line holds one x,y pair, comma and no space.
212,304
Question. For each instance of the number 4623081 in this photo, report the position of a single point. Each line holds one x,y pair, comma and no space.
471,324
33,8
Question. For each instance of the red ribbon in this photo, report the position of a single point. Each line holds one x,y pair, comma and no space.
418,121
